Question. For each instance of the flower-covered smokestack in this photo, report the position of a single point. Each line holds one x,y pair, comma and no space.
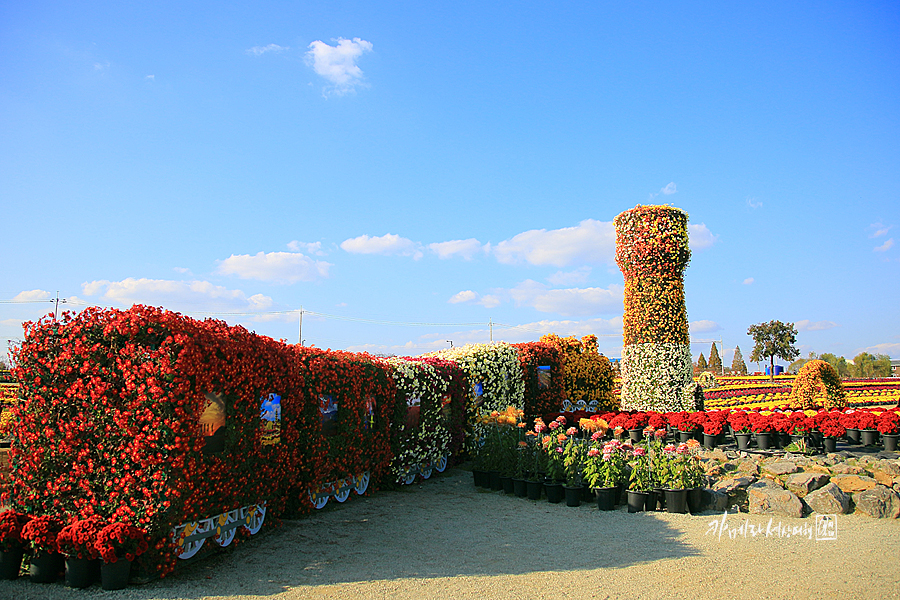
652,251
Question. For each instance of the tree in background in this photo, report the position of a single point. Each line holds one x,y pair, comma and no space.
738,366
839,363
701,363
773,339
715,362
867,365
798,364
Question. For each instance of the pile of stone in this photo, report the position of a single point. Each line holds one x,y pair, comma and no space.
793,485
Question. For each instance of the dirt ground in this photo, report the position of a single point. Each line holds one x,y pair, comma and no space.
444,538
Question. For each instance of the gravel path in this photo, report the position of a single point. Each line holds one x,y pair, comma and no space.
444,538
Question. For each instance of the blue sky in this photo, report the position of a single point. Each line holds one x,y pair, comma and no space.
452,164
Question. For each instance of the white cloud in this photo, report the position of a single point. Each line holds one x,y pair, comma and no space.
885,246
609,332
176,294
579,275
388,244
892,350
807,325
879,229
752,203
463,296
464,248
704,326
32,296
487,301
701,237
281,267
260,50
590,242
567,301
337,64
182,270
308,247
669,189
150,77
749,281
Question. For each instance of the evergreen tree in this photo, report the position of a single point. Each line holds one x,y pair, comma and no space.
715,363
701,363
738,366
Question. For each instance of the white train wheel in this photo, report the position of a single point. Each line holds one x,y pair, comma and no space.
343,491
189,549
253,516
426,473
318,499
441,465
223,539
361,483
409,477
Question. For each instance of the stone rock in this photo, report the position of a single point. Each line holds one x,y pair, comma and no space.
888,467
883,478
854,483
716,454
733,484
781,467
715,500
845,469
765,497
715,471
735,489
804,483
879,502
828,500
818,469
866,460
748,466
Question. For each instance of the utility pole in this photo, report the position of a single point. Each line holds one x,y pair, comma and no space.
491,325
300,332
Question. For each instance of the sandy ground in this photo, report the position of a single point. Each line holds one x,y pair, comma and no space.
444,538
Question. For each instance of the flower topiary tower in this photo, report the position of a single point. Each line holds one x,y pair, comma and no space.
652,251
817,384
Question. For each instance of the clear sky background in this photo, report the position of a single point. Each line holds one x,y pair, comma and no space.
452,164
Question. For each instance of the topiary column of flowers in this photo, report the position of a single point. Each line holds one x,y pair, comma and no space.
652,252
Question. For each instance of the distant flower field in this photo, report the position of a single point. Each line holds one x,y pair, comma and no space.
761,392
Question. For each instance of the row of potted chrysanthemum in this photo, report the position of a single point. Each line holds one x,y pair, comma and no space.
579,463
87,550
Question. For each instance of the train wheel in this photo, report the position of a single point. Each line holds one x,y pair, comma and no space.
362,483
318,499
223,539
189,549
441,465
426,473
409,477
343,491
253,516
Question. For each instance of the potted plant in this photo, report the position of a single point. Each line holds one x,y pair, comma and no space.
573,464
605,468
11,543
556,472
523,460
76,542
761,426
40,534
740,425
868,434
829,424
693,476
889,427
712,429
640,480
850,420
118,545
